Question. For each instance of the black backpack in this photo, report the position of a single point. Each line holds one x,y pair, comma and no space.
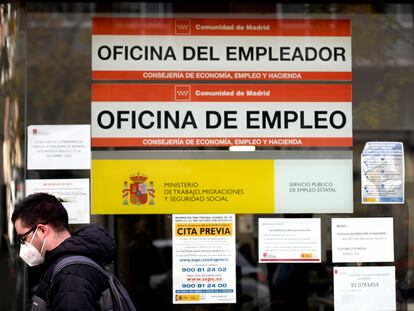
115,298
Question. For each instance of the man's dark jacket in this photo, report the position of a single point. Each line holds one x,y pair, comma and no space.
77,287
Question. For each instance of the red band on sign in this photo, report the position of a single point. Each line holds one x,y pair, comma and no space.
222,141
222,92
157,75
220,27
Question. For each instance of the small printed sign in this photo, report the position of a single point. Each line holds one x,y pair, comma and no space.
382,173
59,147
293,240
204,259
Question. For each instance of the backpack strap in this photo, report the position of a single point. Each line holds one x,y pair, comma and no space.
120,297
74,260
68,261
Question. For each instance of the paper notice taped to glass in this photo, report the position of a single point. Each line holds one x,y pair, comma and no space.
382,173
59,147
292,240
204,258
73,193
364,288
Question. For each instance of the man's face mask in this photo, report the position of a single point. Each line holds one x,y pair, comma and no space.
30,254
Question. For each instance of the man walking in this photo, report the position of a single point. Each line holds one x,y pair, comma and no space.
41,223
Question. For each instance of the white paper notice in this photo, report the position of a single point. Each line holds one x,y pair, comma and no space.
382,173
74,194
289,240
362,239
204,259
364,288
60,147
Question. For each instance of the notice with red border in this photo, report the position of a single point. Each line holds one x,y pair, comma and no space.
220,115
289,240
221,49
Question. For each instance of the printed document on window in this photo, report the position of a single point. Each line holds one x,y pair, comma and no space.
363,239
364,288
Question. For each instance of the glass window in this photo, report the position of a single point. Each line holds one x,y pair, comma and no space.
46,78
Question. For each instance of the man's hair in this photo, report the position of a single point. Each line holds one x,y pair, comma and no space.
41,208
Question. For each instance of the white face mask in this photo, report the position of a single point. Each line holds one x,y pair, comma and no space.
30,254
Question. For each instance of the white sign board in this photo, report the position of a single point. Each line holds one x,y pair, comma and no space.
364,288
59,147
313,186
204,259
289,240
220,49
382,173
168,115
363,239
74,194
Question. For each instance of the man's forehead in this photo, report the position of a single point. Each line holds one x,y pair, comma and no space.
19,225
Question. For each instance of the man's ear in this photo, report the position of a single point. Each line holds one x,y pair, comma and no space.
43,228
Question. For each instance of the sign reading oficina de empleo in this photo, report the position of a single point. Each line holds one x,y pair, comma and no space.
167,115
221,49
